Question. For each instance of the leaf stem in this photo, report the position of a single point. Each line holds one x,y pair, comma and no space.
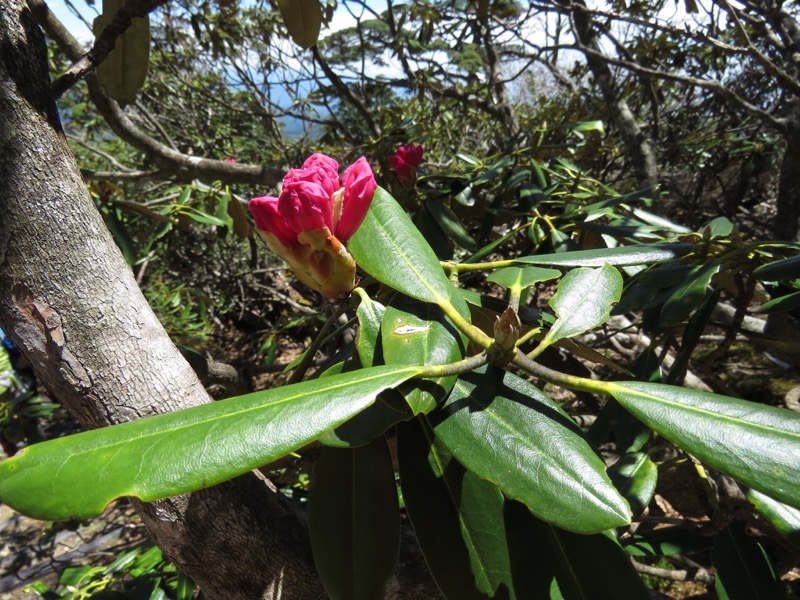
451,268
568,381
472,332
454,368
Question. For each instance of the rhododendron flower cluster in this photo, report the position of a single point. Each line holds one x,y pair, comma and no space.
406,160
310,223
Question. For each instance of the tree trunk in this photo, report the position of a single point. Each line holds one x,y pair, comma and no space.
640,146
787,219
70,302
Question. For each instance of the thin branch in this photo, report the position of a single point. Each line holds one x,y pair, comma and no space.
104,43
171,163
699,575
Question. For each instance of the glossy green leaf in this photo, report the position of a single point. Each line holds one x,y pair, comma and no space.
124,70
451,225
719,227
506,431
392,250
182,451
787,268
743,569
756,444
354,521
303,20
688,296
666,541
521,277
583,301
635,476
369,314
785,519
640,254
419,334
457,517
781,304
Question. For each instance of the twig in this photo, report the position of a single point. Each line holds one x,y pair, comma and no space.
699,575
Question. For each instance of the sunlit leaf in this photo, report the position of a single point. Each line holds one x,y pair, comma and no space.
505,430
419,334
583,301
756,444
640,254
369,314
785,519
522,277
392,250
182,451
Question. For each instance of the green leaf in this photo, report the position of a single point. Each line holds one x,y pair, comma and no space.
303,20
457,517
781,304
392,250
583,301
639,254
521,277
182,451
785,519
506,431
635,476
743,569
451,225
419,334
124,70
369,314
787,268
588,126
755,444
354,520
588,567
688,296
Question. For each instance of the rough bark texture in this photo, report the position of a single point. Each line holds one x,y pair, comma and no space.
69,300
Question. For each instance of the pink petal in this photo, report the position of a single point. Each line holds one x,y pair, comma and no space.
268,218
359,187
305,205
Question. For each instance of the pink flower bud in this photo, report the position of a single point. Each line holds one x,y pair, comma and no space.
312,219
406,159
359,188
305,205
